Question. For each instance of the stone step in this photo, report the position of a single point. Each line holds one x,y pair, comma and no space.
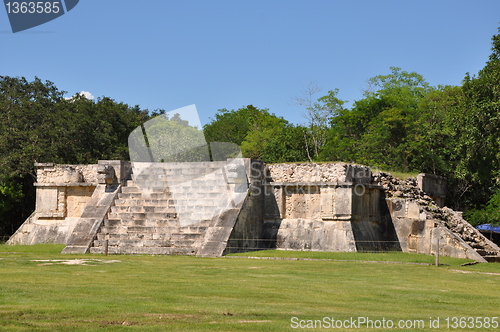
128,202
123,242
131,229
492,258
130,189
181,168
142,209
142,216
148,213
144,251
198,187
146,188
133,236
128,243
172,235
126,215
142,222
163,182
159,195
176,191
130,196
112,222
186,236
172,178
135,205
167,229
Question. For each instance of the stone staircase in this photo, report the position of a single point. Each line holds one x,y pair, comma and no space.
470,239
482,245
169,208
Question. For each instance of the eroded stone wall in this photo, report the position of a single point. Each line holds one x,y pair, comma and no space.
311,172
52,173
323,216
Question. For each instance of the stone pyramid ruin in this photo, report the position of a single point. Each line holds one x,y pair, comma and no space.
180,195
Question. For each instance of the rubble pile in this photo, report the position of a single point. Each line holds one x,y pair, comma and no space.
408,189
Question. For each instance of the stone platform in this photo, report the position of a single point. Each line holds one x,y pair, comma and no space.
238,205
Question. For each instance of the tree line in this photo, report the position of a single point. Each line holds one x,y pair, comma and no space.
37,124
401,123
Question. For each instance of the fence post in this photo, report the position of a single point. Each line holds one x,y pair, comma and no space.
437,249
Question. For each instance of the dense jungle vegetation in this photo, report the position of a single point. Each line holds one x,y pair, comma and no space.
401,123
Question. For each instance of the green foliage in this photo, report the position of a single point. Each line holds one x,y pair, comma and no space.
249,127
10,193
378,130
319,114
432,145
479,136
265,128
98,129
486,214
27,113
39,125
231,125
290,145
407,87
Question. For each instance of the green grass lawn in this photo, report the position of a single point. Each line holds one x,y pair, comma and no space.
176,293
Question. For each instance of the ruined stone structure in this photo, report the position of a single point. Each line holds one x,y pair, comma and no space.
213,208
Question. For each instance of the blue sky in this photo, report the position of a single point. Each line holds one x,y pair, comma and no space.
231,53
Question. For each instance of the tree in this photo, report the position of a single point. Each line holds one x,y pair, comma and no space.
249,127
319,115
486,214
474,127
265,127
432,144
378,130
287,146
231,125
37,124
479,136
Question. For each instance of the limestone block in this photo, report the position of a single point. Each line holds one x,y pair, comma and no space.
46,199
327,197
343,203
76,199
430,223
374,204
402,227
412,210
360,205
397,207
313,200
298,204
412,243
418,227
